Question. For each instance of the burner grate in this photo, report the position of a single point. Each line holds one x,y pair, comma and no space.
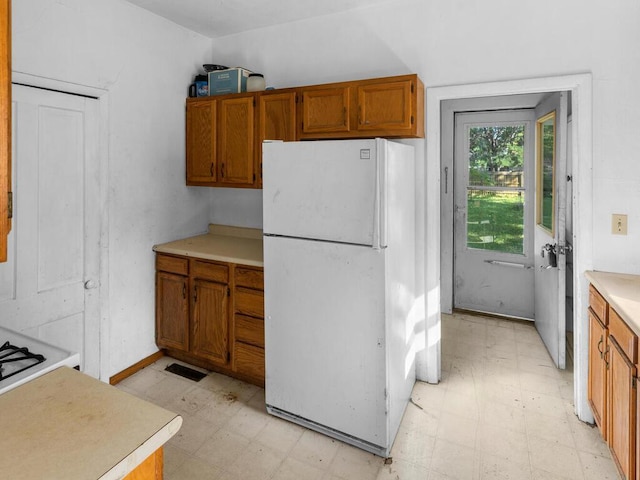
14,360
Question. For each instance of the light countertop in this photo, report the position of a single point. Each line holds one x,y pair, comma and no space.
222,243
622,292
67,425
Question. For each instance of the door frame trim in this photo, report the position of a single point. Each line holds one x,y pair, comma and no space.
100,152
580,85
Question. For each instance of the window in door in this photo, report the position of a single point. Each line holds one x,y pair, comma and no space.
496,188
546,160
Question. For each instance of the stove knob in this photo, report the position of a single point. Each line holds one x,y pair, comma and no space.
90,285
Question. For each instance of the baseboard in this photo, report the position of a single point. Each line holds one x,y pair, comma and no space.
136,367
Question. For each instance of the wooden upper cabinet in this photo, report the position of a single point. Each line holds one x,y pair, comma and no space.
276,121
201,143
325,111
225,132
385,106
391,107
236,137
277,116
5,125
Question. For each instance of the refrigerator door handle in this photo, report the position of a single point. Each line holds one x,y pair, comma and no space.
380,208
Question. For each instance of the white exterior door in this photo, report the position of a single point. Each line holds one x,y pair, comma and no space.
49,286
493,212
550,243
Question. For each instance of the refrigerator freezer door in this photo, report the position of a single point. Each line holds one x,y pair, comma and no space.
325,190
324,335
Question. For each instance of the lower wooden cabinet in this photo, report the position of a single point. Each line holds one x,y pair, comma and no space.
150,469
597,386
211,314
248,321
612,386
622,410
210,321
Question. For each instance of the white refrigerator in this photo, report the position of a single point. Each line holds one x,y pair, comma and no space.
339,274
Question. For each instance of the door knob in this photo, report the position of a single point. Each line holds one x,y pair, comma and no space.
90,285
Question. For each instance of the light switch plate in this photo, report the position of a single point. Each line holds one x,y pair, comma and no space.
619,224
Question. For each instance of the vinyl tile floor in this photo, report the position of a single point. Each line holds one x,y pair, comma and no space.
501,411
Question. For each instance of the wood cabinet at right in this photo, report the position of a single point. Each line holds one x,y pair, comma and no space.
612,385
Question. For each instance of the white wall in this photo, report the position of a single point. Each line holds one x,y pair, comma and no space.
462,42
455,42
145,63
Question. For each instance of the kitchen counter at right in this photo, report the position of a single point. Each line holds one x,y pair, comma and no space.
622,292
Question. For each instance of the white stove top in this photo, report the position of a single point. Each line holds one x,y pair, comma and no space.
54,357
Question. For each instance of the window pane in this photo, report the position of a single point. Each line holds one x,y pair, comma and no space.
495,220
546,132
496,156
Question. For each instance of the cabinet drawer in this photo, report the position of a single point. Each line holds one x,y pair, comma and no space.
249,360
249,277
625,337
249,330
167,263
598,304
249,302
209,271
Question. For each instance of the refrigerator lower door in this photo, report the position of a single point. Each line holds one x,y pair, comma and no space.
326,190
324,338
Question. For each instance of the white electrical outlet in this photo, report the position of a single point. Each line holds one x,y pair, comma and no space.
619,224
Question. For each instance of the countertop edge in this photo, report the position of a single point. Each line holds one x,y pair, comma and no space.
207,256
604,283
240,250
135,458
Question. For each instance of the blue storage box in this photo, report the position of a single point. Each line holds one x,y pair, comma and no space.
231,80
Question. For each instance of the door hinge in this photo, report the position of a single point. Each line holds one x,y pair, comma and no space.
228,356
254,101
10,204
254,177
412,120
228,292
412,88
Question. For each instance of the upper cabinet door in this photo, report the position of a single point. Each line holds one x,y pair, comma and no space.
276,121
325,111
386,106
277,117
5,125
236,137
201,142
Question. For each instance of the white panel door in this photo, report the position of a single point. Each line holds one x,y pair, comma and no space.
48,286
325,334
550,241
